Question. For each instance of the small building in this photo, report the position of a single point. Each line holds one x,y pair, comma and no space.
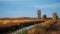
39,13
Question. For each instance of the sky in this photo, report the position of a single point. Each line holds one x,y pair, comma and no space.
28,8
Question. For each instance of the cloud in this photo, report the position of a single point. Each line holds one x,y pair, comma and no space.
56,5
15,0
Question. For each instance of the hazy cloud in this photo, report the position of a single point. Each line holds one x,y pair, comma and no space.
56,5
15,0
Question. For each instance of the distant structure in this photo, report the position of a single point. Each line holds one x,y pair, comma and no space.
39,13
55,16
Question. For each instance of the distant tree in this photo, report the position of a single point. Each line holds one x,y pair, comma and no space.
44,17
55,16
